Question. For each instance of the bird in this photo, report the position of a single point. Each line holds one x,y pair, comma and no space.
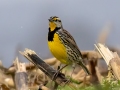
63,46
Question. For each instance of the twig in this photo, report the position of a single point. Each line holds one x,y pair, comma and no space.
100,77
20,76
111,58
47,69
105,52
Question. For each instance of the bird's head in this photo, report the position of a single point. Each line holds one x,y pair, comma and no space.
54,22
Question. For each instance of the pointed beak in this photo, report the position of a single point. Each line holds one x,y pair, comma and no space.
50,20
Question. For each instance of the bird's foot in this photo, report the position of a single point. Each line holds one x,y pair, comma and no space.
58,71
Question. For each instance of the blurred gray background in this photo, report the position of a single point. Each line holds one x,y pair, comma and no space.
24,24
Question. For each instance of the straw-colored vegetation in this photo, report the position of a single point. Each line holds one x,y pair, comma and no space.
38,74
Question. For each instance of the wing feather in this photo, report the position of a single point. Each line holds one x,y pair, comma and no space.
67,38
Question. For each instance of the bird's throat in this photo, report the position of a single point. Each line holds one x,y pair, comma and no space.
52,26
51,33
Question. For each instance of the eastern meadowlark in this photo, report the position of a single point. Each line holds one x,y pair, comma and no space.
62,45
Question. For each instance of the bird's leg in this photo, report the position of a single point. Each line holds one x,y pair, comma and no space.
73,66
59,69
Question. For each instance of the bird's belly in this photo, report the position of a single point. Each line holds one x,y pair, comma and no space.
58,50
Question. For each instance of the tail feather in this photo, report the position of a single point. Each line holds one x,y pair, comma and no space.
84,68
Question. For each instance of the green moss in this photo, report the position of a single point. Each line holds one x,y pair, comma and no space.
106,85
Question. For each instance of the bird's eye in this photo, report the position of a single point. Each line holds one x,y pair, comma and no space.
55,20
59,20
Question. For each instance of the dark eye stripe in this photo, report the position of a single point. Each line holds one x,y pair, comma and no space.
57,20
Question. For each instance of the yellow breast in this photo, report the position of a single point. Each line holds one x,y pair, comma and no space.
58,49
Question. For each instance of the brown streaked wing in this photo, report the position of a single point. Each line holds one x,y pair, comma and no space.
70,40
68,35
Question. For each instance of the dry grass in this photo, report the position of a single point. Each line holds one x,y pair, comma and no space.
100,78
